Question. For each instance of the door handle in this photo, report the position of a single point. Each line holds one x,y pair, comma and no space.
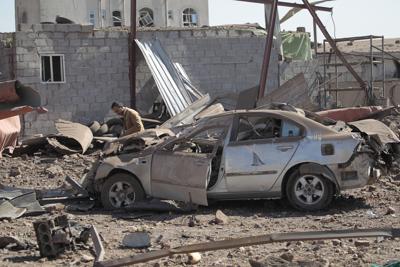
284,148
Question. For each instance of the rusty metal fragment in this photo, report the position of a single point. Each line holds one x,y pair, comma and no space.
294,91
251,241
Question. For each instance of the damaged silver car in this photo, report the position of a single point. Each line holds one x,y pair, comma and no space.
257,154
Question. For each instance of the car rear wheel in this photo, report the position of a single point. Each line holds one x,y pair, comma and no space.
309,192
121,190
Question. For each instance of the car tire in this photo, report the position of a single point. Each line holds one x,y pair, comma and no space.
121,190
309,192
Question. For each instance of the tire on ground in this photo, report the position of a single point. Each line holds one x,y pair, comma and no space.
120,177
324,200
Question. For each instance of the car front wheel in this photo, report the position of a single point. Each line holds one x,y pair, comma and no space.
121,190
309,192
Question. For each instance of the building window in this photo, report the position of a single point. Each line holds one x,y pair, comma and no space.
52,68
190,17
146,17
92,17
117,18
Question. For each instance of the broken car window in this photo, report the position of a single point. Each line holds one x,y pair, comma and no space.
261,127
255,128
201,142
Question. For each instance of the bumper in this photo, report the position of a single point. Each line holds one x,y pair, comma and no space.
359,173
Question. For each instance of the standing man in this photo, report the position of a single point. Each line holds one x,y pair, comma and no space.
131,119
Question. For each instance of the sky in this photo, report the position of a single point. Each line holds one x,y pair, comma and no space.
350,17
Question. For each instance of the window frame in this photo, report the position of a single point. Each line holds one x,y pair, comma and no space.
115,17
235,130
190,24
92,12
150,12
62,65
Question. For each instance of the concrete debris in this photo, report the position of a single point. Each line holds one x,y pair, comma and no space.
287,256
14,172
390,211
137,240
362,243
12,243
54,208
221,218
53,236
194,258
271,261
249,241
54,171
87,258
58,235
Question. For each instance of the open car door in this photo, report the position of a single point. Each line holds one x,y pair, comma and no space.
181,170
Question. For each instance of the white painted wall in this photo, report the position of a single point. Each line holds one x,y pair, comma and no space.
37,11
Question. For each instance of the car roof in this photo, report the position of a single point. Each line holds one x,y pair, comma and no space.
308,123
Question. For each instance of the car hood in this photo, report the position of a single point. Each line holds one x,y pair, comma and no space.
138,142
376,128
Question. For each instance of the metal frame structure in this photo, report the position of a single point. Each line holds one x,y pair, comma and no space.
268,47
371,60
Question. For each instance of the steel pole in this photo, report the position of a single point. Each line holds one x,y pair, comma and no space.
333,45
132,55
268,49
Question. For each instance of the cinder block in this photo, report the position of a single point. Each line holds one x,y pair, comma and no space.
61,27
74,28
87,28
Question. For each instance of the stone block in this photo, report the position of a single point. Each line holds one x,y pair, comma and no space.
87,28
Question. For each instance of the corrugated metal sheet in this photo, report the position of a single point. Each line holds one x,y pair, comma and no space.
169,80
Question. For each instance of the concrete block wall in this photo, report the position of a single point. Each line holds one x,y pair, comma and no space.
6,56
96,72
218,61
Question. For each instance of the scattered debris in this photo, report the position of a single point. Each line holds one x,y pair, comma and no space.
390,211
362,243
8,211
287,256
249,241
54,236
87,258
194,258
137,240
12,243
81,206
221,218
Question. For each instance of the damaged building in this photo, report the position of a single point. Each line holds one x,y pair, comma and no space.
80,71
112,13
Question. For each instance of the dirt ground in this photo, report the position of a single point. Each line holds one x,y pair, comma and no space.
364,208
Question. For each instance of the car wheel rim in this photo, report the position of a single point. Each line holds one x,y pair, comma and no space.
309,189
121,194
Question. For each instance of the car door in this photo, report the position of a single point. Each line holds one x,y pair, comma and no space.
181,170
259,150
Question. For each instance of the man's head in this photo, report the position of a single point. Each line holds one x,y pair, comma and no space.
118,108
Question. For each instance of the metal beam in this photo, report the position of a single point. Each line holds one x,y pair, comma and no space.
268,49
333,45
132,55
286,4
